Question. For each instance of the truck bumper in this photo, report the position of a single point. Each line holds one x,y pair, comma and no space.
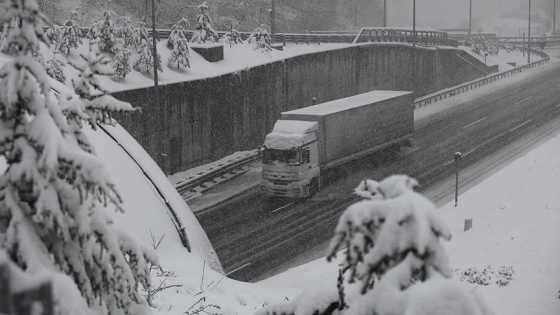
285,189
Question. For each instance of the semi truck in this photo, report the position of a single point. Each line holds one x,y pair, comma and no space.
307,142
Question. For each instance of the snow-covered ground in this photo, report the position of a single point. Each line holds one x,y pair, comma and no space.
192,281
516,220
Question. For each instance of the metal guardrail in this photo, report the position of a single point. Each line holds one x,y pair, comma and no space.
228,167
515,40
423,101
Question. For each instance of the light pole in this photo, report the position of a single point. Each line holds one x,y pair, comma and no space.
414,46
470,17
554,19
273,20
529,36
414,23
154,52
385,13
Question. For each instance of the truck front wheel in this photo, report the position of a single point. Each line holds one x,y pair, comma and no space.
313,187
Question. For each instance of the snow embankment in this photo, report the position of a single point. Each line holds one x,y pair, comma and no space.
186,277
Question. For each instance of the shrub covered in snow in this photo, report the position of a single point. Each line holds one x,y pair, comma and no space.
232,37
260,38
487,276
145,61
393,262
54,189
204,31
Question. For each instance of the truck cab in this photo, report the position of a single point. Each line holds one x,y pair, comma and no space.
290,160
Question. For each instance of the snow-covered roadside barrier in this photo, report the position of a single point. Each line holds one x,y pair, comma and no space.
450,92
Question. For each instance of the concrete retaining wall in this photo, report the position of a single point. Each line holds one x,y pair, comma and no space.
202,121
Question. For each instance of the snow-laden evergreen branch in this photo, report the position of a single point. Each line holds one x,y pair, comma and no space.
54,192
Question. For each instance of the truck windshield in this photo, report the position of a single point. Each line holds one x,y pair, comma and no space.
287,157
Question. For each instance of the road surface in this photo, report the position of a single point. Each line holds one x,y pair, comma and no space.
256,238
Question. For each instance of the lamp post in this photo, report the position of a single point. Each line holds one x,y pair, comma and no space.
154,51
414,46
529,36
385,13
273,20
414,23
470,17
554,19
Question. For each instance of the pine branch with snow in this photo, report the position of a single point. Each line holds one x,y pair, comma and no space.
54,193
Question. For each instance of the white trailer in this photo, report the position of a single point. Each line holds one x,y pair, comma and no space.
308,141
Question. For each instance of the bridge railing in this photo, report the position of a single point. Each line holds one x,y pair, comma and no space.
401,35
367,34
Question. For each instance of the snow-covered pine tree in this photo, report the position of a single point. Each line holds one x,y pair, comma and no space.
121,61
54,34
260,39
204,31
145,61
70,37
107,37
140,34
94,31
177,42
104,32
393,262
55,69
54,191
126,32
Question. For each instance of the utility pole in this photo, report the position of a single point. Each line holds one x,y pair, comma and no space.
529,36
554,19
414,23
154,52
385,13
414,46
273,20
457,159
470,17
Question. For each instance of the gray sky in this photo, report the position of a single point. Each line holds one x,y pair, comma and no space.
450,13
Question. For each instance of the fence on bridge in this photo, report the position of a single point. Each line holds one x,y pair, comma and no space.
403,35
366,34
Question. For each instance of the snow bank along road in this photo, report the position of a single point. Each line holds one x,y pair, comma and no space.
255,238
